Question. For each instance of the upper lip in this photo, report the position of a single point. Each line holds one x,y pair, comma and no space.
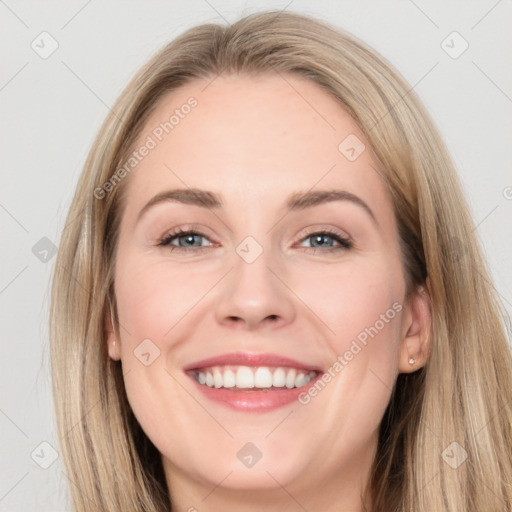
251,359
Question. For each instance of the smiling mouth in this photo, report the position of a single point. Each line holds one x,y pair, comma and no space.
252,378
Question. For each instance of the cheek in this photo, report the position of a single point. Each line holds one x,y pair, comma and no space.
356,301
361,314
152,300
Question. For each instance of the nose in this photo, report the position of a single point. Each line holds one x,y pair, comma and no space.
255,295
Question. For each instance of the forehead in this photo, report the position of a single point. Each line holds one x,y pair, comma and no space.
252,138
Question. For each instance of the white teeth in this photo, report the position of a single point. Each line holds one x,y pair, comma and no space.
290,379
263,378
217,378
245,377
300,380
279,378
229,379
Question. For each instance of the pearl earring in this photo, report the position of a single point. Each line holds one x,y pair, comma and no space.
411,360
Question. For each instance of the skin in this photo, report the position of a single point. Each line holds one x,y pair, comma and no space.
255,141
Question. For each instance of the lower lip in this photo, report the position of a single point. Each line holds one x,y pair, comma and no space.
254,401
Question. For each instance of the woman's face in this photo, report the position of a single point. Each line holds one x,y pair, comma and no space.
266,272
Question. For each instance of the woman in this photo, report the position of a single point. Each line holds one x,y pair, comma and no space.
260,300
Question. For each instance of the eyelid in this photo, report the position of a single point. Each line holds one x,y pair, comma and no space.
182,231
199,228
324,228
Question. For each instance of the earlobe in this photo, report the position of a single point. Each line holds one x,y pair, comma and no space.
415,343
113,345
113,351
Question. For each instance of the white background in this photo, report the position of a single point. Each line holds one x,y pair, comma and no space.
52,108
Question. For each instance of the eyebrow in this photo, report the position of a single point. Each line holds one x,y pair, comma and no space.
296,201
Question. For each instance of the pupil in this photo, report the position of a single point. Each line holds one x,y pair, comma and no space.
319,238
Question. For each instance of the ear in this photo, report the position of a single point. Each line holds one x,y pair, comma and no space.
415,339
112,339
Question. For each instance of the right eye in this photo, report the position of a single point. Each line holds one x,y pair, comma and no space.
187,235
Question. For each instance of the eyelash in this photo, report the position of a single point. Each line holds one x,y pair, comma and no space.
345,243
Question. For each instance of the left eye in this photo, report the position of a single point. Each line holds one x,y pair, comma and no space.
317,238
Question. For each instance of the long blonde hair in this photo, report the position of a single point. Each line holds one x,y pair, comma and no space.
463,394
